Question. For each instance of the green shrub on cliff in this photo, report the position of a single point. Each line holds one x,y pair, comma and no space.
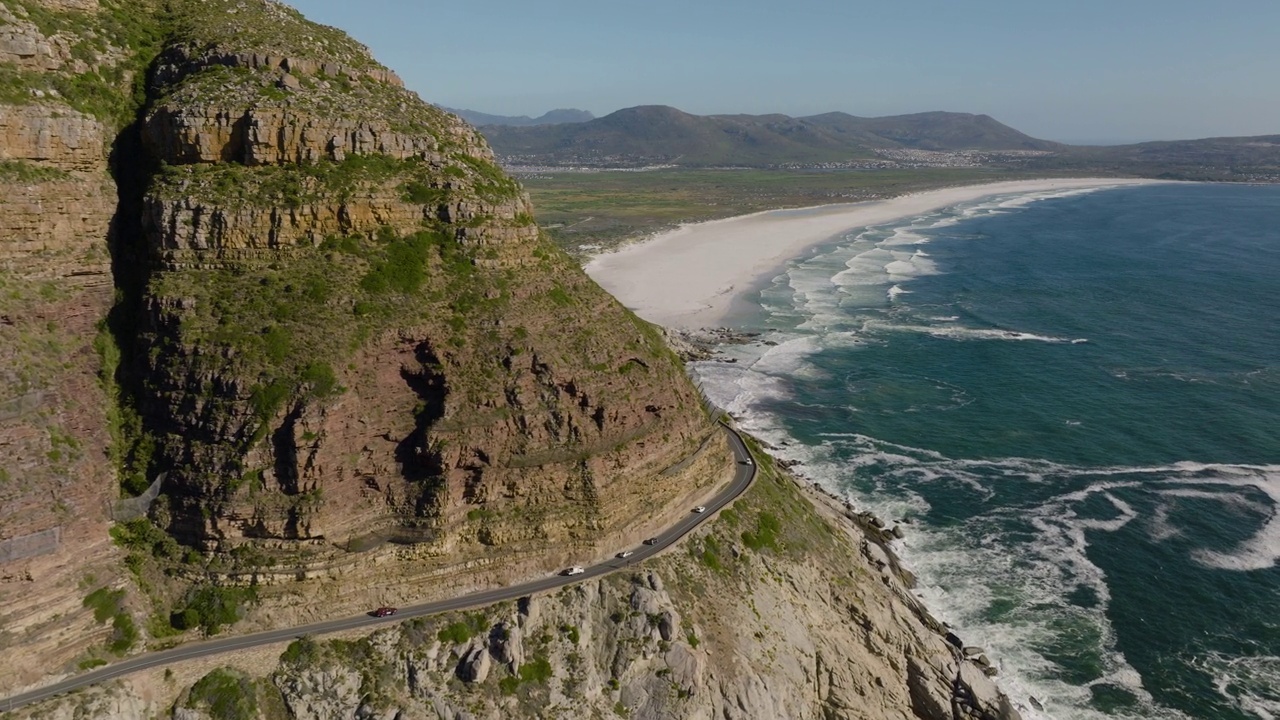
292,185
225,694
21,171
107,605
209,607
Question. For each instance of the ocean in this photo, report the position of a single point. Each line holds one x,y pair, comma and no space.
1071,401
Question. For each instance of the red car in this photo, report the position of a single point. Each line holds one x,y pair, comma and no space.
384,612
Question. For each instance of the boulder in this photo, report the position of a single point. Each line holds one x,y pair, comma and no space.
530,612
646,601
688,667
667,626
506,644
983,694
475,664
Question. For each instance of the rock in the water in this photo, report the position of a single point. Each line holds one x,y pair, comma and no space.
983,694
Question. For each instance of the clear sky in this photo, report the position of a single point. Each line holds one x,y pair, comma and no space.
1068,70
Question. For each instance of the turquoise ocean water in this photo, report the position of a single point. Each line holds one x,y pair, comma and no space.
1073,401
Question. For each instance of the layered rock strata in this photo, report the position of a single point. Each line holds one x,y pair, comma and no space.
57,485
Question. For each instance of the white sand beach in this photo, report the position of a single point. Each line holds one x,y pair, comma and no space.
689,277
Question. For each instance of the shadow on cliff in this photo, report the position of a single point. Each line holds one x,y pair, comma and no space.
132,166
420,464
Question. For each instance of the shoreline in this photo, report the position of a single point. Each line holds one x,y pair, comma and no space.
700,274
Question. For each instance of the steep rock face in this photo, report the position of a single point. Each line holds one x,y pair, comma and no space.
270,136
53,135
57,200
364,330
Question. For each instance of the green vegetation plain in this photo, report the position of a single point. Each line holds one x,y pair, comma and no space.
586,211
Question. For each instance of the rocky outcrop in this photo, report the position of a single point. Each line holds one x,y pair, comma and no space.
182,62
193,229
52,135
273,136
475,664
24,46
500,400
321,693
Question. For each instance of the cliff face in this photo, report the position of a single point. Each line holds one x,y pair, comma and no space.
386,341
777,609
242,266
57,201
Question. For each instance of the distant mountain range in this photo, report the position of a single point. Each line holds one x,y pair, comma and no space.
662,135
555,117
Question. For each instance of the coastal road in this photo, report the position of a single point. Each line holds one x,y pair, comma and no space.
745,474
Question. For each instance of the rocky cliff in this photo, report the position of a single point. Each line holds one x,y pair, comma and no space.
779,608
57,201
244,269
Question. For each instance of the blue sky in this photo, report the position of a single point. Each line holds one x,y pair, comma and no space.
1070,70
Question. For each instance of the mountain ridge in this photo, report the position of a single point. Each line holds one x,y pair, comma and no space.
551,117
659,135
664,134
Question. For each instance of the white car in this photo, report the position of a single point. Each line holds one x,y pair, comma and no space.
575,570
700,509
626,553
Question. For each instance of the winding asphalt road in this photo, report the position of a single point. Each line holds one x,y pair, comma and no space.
746,473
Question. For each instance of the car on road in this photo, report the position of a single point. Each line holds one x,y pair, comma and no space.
384,612
746,462
575,570
626,553
700,509
651,541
